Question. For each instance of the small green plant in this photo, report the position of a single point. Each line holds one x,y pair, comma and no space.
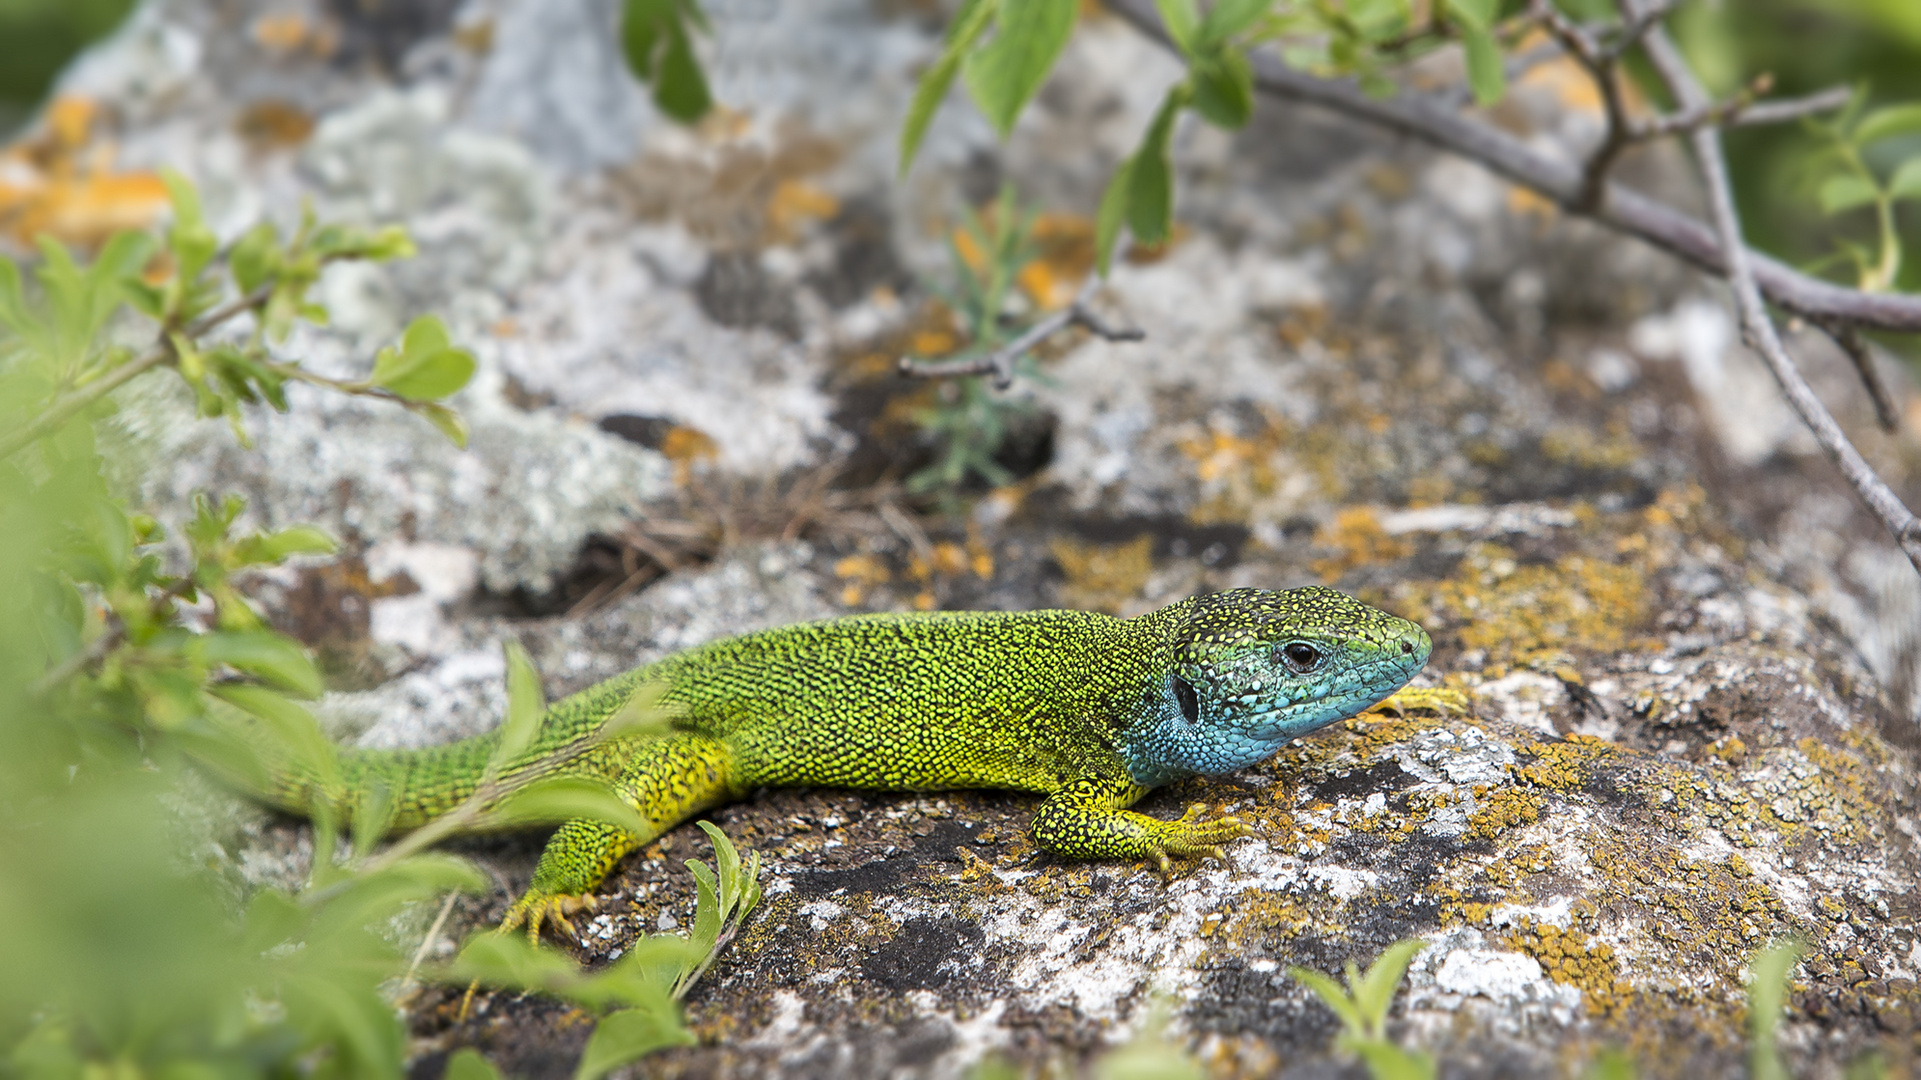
637,996
969,420
1846,182
1150,1055
1362,1006
1767,993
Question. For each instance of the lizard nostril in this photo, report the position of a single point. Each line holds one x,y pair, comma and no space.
1407,648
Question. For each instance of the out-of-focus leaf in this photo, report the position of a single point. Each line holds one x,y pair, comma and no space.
1224,90
1228,18
1474,15
424,368
1486,73
1004,74
277,547
1374,992
525,704
1333,995
1389,1062
563,799
1845,192
192,243
468,1064
629,1035
973,17
1183,23
254,257
1888,122
654,38
1906,182
1150,195
446,421
643,714
1767,992
273,658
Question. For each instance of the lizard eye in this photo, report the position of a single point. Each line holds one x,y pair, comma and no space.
1299,657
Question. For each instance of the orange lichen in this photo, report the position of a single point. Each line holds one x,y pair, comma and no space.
1358,540
60,182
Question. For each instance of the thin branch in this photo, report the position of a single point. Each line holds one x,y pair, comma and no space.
1713,114
1000,362
1757,327
1782,110
1601,64
1623,209
1862,354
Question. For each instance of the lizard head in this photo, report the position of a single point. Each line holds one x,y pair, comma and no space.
1252,670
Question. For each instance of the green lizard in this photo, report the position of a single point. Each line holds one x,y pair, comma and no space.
1090,710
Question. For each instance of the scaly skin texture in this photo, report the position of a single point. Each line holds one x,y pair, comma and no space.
1089,710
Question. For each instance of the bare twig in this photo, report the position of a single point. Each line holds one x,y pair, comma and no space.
1782,110
1756,325
407,981
1623,209
1714,113
1601,64
1000,362
1862,354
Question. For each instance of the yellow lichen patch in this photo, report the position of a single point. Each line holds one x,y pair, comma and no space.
1103,578
1502,810
688,448
1535,614
1571,957
793,204
1581,447
59,181
1358,540
1561,764
860,573
1442,700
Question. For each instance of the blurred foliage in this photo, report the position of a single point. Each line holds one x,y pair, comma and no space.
1362,1006
38,37
126,660
968,421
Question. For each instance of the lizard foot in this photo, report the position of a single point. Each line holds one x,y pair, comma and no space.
1195,837
537,909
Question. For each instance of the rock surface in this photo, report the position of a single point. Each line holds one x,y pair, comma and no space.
1691,661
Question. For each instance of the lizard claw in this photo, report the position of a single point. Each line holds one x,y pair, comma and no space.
535,910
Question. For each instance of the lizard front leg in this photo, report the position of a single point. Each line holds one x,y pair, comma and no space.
667,782
1087,819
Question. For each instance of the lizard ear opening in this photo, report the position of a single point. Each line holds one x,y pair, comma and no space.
1190,701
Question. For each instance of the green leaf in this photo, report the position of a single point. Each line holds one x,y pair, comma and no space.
1028,37
973,18
1224,90
564,798
1334,996
1375,991
727,859
525,705
659,51
627,1036
1906,182
1228,18
254,258
424,368
468,1064
1486,73
681,90
192,243
289,742
1888,122
446,420
707,917
1150,189
275,659
1389,1062
1182,22
1767,992
273,548
642,715
1846,192
373,816
1476,16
